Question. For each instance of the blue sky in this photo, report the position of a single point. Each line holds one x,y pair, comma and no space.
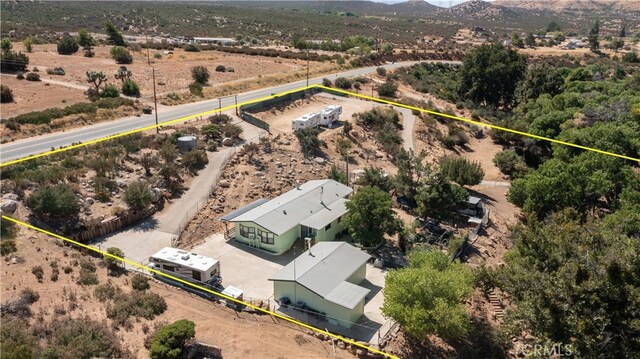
442,3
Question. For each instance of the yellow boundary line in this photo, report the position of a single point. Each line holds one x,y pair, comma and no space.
185,118
478,123
371,98
124,260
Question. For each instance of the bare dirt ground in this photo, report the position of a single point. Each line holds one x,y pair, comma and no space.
239,335
31,96
279,118
173,71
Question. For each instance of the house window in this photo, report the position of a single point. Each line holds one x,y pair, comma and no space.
327,227
265,237
247,232
169,268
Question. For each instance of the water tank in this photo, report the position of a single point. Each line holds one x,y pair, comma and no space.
186,143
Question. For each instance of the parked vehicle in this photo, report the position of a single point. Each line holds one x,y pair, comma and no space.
187,266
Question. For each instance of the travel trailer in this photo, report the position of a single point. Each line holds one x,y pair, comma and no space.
306,121
330,115
187,266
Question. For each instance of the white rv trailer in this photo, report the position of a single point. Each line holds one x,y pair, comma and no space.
330,115
188,266
309,120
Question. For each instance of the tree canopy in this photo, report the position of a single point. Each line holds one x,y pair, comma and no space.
370,216
428,296
114,37
490,74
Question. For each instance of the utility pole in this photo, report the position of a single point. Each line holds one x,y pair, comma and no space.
148,58
155,99
307,67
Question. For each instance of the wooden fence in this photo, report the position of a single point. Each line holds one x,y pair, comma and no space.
112,225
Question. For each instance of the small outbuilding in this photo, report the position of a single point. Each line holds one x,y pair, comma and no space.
325,279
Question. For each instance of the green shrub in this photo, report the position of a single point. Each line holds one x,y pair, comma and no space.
6,95
32,76
509,163
326,82
343,83
381,71
111,262
195,89
221,68
54,201
195,160
191,48
7,246
137,304
87,278
137,195
232,130
12,61
140,282
130,88
170,341
200,74
110,91
56,71
388,89
121,55
38,272
461,171
107,291
67,45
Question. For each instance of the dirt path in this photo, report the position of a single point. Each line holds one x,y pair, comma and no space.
408,121
143,240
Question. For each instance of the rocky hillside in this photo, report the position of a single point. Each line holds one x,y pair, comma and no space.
572,5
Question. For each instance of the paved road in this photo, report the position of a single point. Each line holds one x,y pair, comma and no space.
44,143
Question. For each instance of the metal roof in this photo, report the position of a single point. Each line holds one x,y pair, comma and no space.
186,259
474,200
229,216
324,270
291,208
326,216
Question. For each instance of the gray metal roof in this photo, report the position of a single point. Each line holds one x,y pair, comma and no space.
330,214
229,216
474,200
324,270
291,208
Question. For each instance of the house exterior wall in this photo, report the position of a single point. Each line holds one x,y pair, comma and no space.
336,314
281,243
330,234
358,276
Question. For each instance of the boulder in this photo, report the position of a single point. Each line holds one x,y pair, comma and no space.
342,345
224,183
9,206
121,183
319,160
227,141
155,194
11,196
89,200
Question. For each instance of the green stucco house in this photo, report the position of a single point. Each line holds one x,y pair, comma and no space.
326,279
313,210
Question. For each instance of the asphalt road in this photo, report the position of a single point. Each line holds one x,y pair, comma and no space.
44,143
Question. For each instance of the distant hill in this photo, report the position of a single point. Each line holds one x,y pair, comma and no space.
572,5
479,9
414,7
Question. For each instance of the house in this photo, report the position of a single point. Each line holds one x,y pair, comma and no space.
324,280
188,266
314,209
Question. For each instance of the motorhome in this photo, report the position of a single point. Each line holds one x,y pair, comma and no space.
309,120
188,266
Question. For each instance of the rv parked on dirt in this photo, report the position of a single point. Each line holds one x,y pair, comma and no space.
309,120
188,266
